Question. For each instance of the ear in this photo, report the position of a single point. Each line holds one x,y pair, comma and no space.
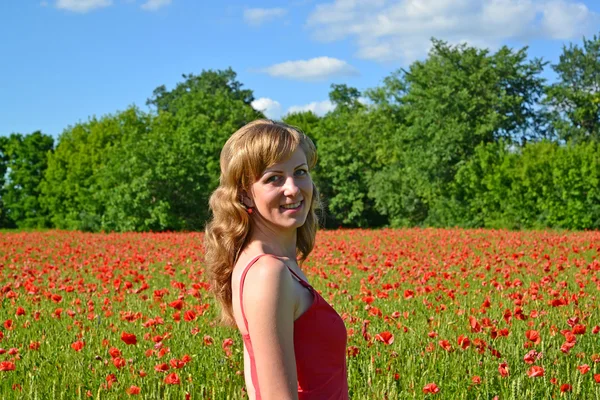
246,200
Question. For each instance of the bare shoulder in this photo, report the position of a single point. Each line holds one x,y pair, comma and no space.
267,274
268,288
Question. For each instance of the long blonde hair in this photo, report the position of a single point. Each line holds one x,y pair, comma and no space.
244,157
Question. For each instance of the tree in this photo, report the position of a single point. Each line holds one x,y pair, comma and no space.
4,222
27,160
574,100
71,186
208,83
348,142
307,121
345,98
161,180
453,101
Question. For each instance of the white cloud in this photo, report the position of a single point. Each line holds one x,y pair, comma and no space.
257,16
271,108
153,5
320,108
401,29
82,6
315,69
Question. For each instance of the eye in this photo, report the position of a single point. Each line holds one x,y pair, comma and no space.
270,179
304,172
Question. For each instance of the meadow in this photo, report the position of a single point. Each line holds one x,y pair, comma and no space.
430,313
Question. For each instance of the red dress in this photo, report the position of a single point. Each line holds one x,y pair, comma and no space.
319,347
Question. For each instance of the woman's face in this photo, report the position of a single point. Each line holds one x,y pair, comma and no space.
286,183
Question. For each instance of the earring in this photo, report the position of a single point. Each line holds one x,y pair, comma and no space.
248,208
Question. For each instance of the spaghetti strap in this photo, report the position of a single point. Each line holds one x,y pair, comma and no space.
243,278
302,281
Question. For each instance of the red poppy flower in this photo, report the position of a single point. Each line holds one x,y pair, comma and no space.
565,387
534,336
172,379
119,362
535,372
566,347
368,299
78,345
444,344
175,363
161,367
583,369
530,357
132,390
476,380
227,343
579,329
386,337
128,338
163,351
189,315
464,342
352,351
475,326
431,388
7,366
597,378
503,370
20,311
375,312
208,340
114,352
110,379
177,304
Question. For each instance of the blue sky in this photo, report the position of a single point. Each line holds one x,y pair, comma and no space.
63,61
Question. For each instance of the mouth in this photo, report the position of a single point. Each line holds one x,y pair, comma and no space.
292,207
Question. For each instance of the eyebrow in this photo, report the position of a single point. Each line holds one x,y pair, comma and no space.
281,172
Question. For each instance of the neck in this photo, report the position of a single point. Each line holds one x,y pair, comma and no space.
282,244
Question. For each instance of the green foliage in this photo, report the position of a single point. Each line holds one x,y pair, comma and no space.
208,83
71,188
26,159
136,172
540,185
456,99
349,141
458,139
307,121
3,168
574,100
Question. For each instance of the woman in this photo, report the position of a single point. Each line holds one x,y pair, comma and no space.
263,228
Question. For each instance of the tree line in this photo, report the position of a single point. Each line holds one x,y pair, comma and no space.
466,137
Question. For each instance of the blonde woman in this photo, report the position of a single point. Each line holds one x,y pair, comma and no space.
262,229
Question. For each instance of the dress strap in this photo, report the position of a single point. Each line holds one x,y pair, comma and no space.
243,278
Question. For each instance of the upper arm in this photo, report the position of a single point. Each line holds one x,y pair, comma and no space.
269,304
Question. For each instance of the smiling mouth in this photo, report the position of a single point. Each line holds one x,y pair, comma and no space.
293,206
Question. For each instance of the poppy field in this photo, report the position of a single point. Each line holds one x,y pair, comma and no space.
430,313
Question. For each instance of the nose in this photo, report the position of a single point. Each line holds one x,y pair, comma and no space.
290,189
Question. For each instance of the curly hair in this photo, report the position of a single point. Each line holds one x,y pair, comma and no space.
244,157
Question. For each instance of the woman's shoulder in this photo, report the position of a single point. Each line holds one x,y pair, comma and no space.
264,295
261,268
